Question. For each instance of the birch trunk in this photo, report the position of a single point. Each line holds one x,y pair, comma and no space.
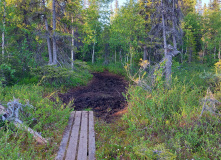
72,48
214,53
131,58
48,36
120,57
190,55
93,53
54,34
115,56
3,32
219,50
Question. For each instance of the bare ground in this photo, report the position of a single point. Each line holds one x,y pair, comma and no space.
103,95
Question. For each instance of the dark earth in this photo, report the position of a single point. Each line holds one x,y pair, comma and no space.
103,95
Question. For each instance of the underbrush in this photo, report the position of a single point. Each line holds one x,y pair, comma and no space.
57,77
164,124
50,120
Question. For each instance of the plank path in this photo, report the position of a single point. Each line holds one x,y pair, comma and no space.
78,142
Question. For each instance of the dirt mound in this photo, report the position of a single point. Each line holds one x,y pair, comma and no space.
103,95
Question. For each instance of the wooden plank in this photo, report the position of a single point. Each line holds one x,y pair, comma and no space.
82,149
72,148
91,147
65,139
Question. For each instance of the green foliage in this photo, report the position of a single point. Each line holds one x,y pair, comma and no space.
6,74
117,68
58,77
51,119
164,124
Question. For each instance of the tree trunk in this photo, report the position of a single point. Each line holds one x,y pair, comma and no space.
72,48
115,56
214,53
54,34
93,53
3,32
145,53
131,56
48,36
174,29
219,50
168,58
120,56
190,55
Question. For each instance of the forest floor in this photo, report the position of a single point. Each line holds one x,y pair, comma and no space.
103,95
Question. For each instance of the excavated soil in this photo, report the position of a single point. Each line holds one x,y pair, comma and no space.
103,95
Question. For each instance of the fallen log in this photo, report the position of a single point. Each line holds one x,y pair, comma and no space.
19,124
8,114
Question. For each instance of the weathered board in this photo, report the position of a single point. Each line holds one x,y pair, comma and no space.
78,142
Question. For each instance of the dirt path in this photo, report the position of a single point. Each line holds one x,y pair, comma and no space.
103,95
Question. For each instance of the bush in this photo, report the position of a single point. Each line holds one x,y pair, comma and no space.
6,74
51,119
164,124
58,77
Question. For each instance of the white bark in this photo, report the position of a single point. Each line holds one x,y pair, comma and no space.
93,53
3,32
72,49
115,56
131,56
48,36
54,34
219,50
120,57
214,52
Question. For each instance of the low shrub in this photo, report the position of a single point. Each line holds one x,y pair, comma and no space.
163,124
50,120
57,77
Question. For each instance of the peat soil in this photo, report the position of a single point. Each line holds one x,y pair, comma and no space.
103,95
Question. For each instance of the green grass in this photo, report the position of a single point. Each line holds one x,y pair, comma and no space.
117,68
51,118
164,124
40,90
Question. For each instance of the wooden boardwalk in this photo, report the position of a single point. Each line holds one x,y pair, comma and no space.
78,142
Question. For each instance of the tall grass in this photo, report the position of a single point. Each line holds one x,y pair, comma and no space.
116,68
163,124
51,119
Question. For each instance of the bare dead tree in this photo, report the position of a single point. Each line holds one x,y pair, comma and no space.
166,24
54,33
48,35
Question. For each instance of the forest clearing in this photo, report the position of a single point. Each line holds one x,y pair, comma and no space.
144,76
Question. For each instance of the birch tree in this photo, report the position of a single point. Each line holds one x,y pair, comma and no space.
3,28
